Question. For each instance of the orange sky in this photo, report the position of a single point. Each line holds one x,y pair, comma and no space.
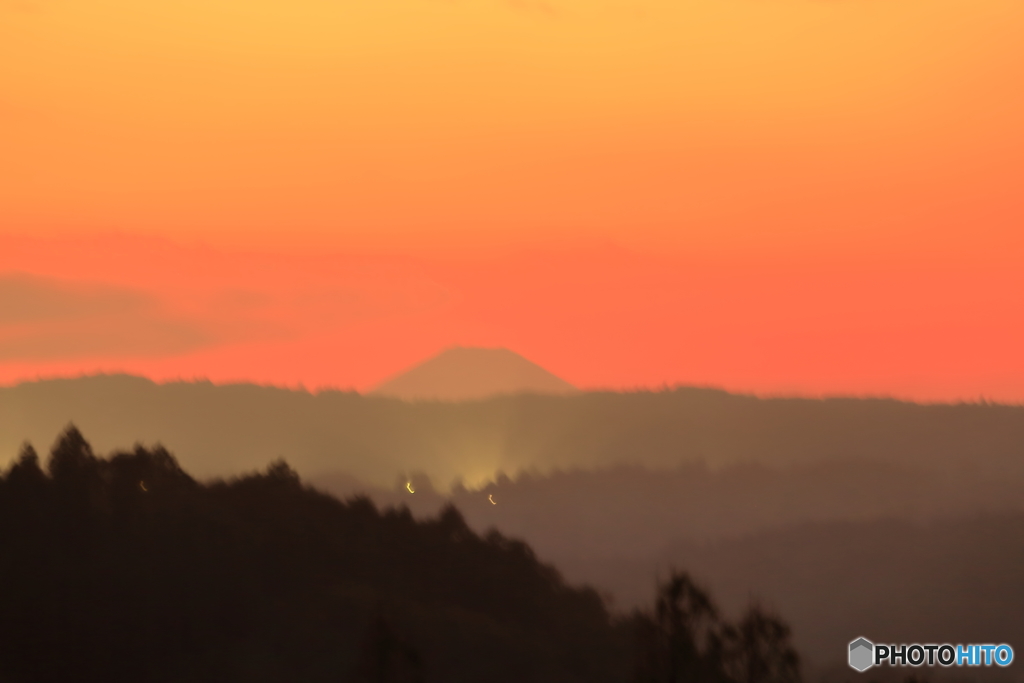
812,196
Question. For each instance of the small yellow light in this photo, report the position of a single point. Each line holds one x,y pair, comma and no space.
408,485
490,497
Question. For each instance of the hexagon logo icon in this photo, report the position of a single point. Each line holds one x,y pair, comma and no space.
862,654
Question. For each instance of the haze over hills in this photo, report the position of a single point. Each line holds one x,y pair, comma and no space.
464,374
842,547
223,430
614,488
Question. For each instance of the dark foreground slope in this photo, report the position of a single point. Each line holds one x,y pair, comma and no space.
129,570
840,549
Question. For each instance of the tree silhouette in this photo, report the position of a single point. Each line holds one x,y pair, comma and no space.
687,640
25,473
758,650
682,641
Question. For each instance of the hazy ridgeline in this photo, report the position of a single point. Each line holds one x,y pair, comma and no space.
851,517
222,430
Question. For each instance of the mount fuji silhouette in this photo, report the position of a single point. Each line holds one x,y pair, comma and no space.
465,374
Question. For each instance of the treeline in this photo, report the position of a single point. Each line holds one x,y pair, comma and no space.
127,569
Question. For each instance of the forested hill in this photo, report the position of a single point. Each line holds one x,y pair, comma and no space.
127,569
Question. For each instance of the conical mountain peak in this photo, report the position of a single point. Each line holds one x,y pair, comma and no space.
468,373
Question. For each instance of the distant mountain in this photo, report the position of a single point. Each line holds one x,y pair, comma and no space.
462,374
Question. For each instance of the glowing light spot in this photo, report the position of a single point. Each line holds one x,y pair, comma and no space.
142,485
490,497
408,485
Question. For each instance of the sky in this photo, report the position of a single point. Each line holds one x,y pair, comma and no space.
810,197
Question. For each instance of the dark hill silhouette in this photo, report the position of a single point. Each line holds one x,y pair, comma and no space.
127,569
462,374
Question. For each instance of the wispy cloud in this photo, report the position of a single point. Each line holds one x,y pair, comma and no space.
42,318
195,301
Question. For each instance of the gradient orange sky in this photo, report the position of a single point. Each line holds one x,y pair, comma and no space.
780,196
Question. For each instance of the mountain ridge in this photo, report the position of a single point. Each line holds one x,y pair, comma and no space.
461,373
